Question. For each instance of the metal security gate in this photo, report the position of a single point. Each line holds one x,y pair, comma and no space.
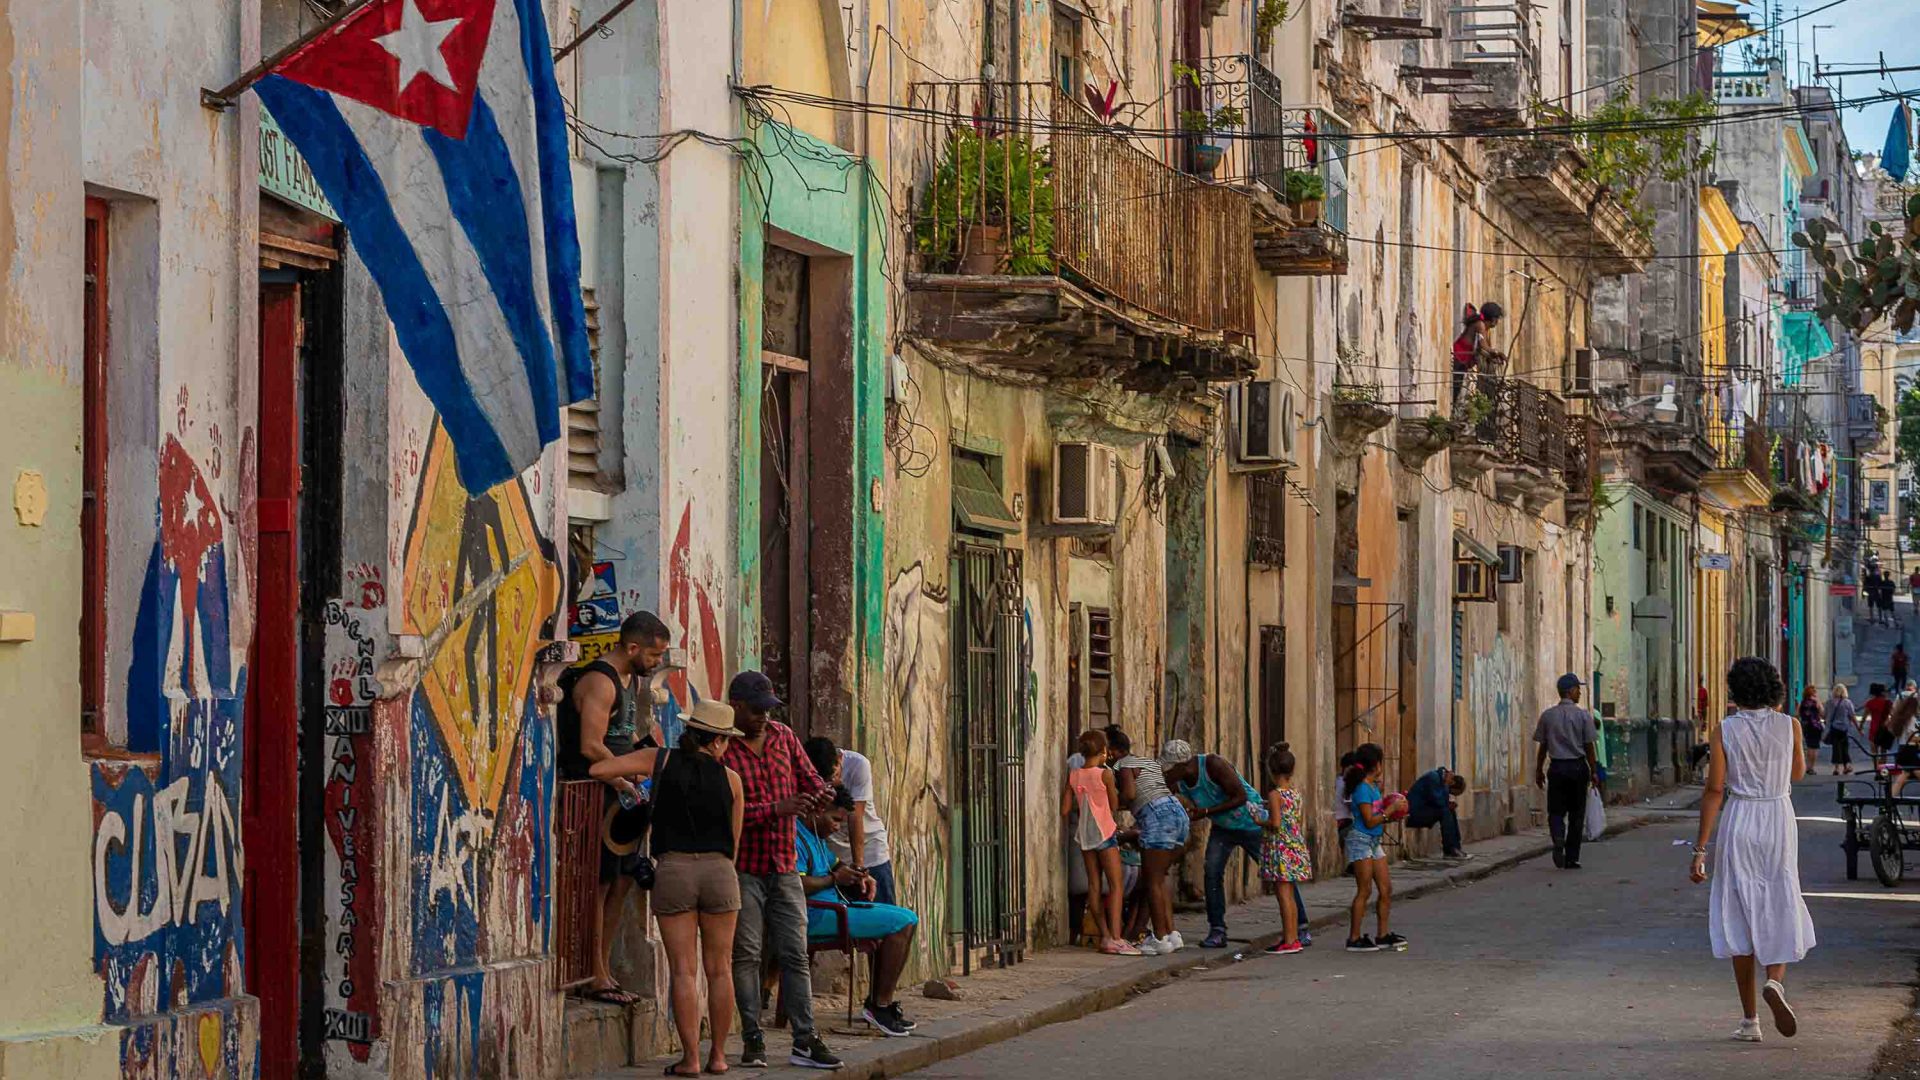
989,734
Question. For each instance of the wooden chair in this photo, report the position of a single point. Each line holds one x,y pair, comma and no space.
842,942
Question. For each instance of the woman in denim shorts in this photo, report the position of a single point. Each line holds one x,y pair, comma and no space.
1164,828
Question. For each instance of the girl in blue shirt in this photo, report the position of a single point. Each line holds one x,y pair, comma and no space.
1365,855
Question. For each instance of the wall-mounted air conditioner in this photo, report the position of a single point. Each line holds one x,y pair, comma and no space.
1086,484
1261,412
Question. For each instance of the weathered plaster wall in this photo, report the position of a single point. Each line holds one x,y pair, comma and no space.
49,891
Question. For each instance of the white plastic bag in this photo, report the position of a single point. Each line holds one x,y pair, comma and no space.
1596,816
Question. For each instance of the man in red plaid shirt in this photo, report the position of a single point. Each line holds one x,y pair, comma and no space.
778,783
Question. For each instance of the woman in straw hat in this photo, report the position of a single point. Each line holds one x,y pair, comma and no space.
697,814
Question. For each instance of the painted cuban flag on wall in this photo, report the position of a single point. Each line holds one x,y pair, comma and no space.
437,131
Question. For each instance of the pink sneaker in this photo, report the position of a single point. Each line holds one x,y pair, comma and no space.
1284,948
1116,947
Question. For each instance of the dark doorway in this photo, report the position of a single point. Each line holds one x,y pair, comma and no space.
807,498
296,458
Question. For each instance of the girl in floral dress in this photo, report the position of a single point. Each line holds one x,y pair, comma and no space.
1284,860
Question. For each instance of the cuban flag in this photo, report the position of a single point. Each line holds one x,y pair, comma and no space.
437,131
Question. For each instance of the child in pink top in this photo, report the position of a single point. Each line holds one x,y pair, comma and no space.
1090,793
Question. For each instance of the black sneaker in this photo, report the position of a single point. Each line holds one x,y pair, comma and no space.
1392,943
753,1051
887,1019
812,1053
1363,943
900,1018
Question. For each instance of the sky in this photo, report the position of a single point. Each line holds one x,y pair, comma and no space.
1856,33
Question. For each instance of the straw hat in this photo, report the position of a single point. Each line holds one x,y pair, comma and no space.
622,829
712,717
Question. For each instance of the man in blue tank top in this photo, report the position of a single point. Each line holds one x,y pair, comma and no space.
1211,790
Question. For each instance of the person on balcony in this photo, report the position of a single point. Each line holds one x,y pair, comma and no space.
1472,353
830,880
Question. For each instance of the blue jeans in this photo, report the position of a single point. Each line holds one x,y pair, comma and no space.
1220,844
883,886
1449,823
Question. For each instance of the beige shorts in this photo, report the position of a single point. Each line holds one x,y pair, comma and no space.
703,882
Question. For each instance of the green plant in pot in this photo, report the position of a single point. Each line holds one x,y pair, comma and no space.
988,208
1204,125
1306,190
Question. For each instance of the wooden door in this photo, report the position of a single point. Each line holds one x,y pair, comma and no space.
271,817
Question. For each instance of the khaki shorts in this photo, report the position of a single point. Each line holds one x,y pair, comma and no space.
703,882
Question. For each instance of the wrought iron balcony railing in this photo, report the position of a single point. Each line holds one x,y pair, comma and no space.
1522,423
1273,139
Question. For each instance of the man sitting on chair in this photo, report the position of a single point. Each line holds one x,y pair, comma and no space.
826,878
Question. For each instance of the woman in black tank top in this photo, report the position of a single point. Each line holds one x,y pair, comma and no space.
698,810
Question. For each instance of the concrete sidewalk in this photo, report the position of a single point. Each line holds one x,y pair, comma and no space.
1065,984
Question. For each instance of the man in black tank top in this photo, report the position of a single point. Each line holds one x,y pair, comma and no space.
604,709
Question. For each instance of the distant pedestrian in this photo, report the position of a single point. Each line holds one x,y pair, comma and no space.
1285,861
1905,741
1813,724
1091,794
1567,766
1877,707
1913,585
1899,663
1367,856
1342,809
1755,913
1841,727
1431,801
1210,788
1163,828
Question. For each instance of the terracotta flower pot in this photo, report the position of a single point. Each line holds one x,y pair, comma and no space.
983,250
1306,212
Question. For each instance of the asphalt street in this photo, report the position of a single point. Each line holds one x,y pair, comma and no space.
1602,971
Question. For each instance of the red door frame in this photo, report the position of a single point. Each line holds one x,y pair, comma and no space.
93,514
271,796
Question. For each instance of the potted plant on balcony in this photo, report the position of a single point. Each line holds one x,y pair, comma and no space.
1418,440
1202,125
989,207
1305,191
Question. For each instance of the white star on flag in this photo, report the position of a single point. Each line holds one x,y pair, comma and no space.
417,45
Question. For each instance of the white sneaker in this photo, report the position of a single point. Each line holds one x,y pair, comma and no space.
1748,1031
1150,946
1775,996
1173,941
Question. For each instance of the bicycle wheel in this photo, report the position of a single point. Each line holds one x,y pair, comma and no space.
1883,845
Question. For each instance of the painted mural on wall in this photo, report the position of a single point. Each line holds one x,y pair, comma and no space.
909,749
351,979
482,588
1494,708
166,844
167,859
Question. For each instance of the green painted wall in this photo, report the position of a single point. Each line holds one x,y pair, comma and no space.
824,196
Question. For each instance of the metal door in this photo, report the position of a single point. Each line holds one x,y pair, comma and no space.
989,734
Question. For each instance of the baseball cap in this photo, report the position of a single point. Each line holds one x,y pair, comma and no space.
754,690
1175,752
1568,682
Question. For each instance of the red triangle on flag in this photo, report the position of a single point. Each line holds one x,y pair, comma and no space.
417,59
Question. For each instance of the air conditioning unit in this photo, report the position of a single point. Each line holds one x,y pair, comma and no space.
1261,412
1086,484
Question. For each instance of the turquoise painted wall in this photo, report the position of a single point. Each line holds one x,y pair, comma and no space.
825,196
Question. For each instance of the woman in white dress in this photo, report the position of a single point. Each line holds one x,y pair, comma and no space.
1755,914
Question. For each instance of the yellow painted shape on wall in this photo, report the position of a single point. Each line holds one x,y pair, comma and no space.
30,498
209,1032
477,679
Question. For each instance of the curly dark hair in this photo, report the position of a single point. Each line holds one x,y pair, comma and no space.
1753,683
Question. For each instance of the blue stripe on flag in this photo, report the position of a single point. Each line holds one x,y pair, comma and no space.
311,119
486,199
556,203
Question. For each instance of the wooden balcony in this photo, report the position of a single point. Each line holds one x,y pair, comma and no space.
1050,244
1540,180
